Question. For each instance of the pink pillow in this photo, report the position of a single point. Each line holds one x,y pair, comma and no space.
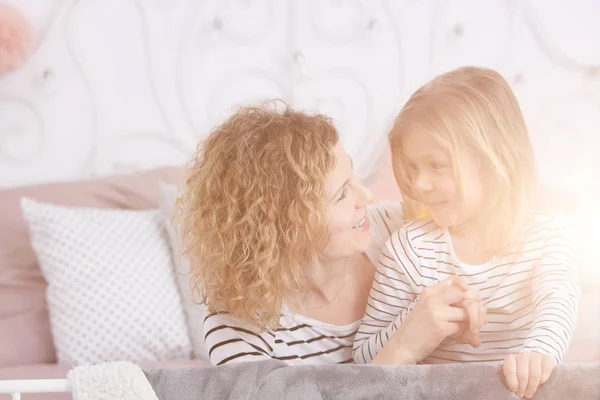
24,328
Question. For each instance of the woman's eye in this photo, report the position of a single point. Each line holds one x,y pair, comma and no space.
437,166
344,193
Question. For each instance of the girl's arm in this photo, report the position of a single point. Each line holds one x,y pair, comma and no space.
556,293
390,300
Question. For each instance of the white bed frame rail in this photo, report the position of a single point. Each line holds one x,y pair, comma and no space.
17,387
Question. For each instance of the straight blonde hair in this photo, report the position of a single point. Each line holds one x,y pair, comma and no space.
472,110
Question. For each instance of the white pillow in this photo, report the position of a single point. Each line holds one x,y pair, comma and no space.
111,288
195,312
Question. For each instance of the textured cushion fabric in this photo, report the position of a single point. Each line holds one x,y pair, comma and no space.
111,286
195,313
24,329
274,379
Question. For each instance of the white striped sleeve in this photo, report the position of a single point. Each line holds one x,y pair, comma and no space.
230,340
385,218
391,298
556,292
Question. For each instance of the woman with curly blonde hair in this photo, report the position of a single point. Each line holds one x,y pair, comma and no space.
282,244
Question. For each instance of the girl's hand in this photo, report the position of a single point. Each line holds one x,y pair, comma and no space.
434,318
524,372
477,318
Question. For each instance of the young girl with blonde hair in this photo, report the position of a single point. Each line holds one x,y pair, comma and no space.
464,163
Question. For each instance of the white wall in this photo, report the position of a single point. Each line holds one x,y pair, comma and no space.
118,85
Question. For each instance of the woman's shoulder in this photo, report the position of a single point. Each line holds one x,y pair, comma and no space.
217,319
230,339
223,323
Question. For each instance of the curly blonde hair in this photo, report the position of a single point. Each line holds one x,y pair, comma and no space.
252,213
473,110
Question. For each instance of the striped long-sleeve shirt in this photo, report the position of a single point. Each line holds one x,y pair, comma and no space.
531,294
300,340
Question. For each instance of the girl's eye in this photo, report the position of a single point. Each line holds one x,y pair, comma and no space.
344,193
437,166
412,167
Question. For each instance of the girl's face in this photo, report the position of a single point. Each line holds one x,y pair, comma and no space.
432,179
347,202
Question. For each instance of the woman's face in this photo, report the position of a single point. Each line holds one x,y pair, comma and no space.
347,201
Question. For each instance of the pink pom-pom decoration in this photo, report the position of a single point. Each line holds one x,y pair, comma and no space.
16,39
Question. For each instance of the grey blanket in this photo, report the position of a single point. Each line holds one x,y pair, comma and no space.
275,380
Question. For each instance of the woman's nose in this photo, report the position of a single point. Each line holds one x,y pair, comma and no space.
364,196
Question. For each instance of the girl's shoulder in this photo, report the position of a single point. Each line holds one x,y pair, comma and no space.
421,233
386,212
541,226
384,219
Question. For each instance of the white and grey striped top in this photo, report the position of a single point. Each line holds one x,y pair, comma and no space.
301,340
531,294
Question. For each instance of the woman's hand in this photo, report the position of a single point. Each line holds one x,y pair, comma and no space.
526,371
434,318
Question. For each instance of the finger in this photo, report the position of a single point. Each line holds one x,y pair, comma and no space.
452,295
465,337
449,281
456,336
475,341
548,365
510,372
535,374
522,373
451,328
473,312
455,314
461,283
462,337
472,294
483,315
442,285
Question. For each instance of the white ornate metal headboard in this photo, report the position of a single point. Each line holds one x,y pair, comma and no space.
120,85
